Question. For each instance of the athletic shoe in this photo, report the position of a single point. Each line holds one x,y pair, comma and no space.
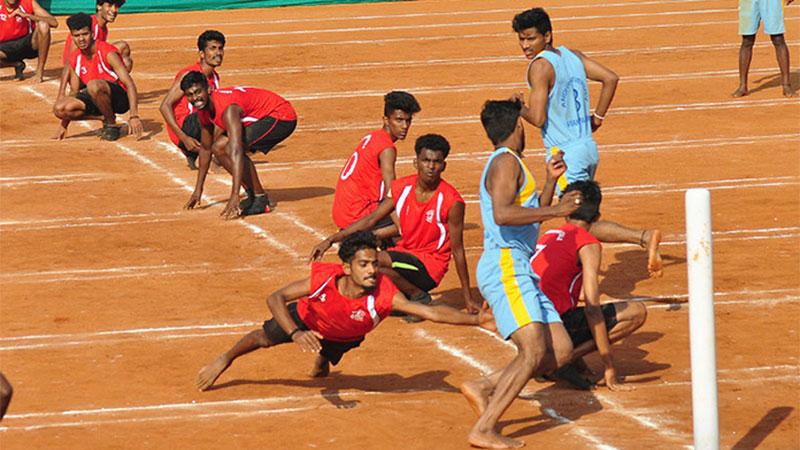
245,204
260,205
569,373
109,132
191,159
19,68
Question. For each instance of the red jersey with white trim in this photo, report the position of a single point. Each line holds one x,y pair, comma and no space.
256,104
558,265
424,229
98,34
96,67
15,27
360,187
183,108
336,317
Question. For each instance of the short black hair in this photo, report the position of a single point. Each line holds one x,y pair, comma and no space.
112,2
355,242
400,100
192,78
435,142
499,118
532,18
209,35
589,210
79,21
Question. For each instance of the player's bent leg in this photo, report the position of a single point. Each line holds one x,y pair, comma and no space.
69,108
630,317
745,56
100,93
41,43
607,231
251,341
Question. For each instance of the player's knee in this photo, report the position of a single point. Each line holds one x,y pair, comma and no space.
640,315
96,87
778,40
60,110
748,41
43,29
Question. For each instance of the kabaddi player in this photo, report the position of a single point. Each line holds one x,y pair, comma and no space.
332,310
368,173
428,213
567,260
107,12
559,106
751,13
511,213
100,85
232,121
24,34
179,115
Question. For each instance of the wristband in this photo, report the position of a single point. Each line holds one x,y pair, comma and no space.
599,116
295,331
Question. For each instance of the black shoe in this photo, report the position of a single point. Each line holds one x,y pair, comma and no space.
110,132
19,68
260,205
569,373
191,159
245,204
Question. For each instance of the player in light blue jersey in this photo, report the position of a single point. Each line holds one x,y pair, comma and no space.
559,106
511,211
751,14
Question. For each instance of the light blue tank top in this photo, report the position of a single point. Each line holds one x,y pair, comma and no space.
521,237
568,119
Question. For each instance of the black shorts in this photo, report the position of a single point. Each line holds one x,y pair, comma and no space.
412,269
190,126
266,133
331,350
119,100
578,327
19,49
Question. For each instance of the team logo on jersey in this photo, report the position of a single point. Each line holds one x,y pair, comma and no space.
83,71
3,17
358,315
322,297
429,216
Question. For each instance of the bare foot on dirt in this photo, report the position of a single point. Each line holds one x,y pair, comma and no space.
322,368
655,265
209,374
741,92
492,440
476,395
788,91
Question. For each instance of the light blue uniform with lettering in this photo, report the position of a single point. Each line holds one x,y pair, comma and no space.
568,126
752,12
505,277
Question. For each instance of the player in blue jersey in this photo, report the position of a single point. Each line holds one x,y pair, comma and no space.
511,212
559,106
751,13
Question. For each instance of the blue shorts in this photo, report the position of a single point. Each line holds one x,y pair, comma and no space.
752,12
508,283
581,159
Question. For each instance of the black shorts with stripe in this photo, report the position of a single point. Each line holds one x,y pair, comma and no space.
412,269
119,100
266,133
331,350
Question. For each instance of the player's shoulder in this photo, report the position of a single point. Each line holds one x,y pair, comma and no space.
380,140
323,273
192,68
404,181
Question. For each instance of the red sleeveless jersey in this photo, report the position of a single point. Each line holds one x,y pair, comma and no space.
98,33
183,108
558,265
256,104
424,229
336,317
360,186
12,28
96,67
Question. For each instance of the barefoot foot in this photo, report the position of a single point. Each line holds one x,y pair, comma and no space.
322,368
788,91
209,374
492,440
741,92
655,266
477,396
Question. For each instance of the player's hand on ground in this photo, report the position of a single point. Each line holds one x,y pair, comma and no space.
231,210
613,382
556,166
307,341
319,250
60,133
569,203
486,320
135,125
472,304
191,144
194,200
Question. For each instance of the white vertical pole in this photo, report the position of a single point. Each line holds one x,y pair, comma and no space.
701,319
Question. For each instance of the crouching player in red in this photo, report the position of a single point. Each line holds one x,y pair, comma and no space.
234,120
428,214
567,259
24,34
335,308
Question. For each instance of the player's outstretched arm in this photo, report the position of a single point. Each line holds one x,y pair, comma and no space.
119,68
541,77
442,313
455,225
174,95
276,302
598,72
207,138
367,222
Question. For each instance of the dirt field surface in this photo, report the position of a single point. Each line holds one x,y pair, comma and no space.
113,297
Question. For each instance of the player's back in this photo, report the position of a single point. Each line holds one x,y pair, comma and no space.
568,117
360,186
255,103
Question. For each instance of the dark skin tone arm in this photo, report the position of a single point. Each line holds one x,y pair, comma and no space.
504,180
174,95
68,76
598,72
232,116
387,159
443,313
276,302
541,76
39,15
455,224
368,222
133,97
207,139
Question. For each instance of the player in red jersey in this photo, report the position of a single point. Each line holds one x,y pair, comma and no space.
335,308
428,214
24,34
234,120
181,118
107,12
100,85
368,173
